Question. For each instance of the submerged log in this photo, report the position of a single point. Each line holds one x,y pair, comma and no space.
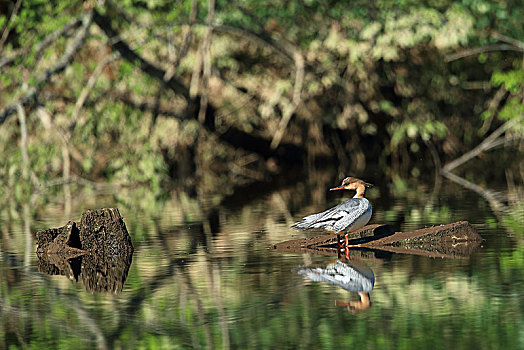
96,250
455,240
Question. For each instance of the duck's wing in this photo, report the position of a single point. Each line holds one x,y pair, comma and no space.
334,219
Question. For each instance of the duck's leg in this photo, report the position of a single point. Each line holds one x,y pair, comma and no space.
340,245
346,250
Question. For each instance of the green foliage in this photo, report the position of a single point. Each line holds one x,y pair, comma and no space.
513,80
514,108
413,130
375,79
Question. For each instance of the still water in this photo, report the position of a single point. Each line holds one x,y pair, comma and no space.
202,275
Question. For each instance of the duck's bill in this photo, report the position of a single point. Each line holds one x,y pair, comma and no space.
336,188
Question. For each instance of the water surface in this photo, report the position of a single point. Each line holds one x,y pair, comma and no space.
202,276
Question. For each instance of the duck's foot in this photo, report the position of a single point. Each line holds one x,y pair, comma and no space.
346,250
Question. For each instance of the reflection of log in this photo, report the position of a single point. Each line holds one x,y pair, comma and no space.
104,273
456,240
97,250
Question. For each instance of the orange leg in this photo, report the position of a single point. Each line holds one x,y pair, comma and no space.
347,244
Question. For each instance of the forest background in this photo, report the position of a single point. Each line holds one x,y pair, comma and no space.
214,125
221,93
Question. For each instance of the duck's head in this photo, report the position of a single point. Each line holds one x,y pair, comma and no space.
352,183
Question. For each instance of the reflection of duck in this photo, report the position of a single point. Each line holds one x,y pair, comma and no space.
346,217
355,306
352,276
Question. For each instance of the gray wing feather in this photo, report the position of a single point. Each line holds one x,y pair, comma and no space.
336,218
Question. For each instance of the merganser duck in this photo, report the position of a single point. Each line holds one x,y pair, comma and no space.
346,217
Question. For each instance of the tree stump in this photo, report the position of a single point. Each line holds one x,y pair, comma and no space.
97,250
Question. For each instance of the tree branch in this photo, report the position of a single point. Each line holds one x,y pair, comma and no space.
87,89
488,143
31,97
150,106
491,196
126,52
53,36
297,97
234,136
6,30
517,43
482,49
206,62
23,142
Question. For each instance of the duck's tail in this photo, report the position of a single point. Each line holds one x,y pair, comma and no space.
306,222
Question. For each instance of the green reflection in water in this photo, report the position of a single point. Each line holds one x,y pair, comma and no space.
202,276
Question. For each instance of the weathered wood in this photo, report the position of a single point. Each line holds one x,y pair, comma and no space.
104,232
456,240
100,231
63,240
376,230
96,250
460,231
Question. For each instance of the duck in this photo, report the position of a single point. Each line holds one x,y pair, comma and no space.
346,217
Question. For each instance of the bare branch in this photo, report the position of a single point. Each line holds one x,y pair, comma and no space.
492,106
72,152
262,38
23,141
297,97
491,196
126,52
232,136
87,89
187,35
150,106
206,61
488,143
482,49
507,39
